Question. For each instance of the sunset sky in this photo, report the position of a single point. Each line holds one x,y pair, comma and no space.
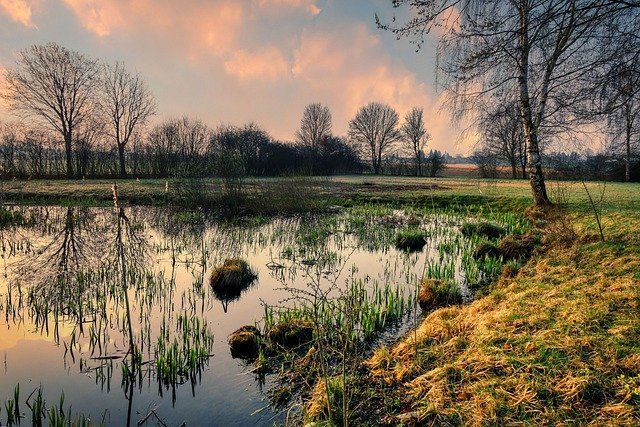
238,61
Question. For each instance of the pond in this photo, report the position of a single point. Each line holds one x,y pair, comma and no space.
64,330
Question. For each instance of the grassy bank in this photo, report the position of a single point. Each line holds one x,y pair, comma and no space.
290,194
556,344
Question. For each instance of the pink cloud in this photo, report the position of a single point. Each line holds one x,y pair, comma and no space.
349,68
18,10
308,5
264,65
194,27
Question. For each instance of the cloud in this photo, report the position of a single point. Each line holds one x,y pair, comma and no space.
18,10
256,60
189,26
349,68
308,5
265,65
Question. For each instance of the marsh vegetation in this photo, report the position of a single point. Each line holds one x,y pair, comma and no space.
130,308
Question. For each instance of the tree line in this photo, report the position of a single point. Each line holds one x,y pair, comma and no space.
80,117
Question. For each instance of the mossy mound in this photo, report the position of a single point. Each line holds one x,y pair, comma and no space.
245,342
483,228
290,334
438,293
519,246
230,279
484,250
411,240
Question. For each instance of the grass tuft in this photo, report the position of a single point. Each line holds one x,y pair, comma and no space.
438,293
411,239
484,229
231,278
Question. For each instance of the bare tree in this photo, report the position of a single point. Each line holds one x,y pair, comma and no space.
621,102
545,52
54,84
415,135
375,130
315,125
503,136
128,103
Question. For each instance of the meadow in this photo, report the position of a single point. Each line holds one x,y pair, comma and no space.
355,300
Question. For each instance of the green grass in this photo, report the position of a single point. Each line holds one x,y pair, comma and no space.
272,194
412,239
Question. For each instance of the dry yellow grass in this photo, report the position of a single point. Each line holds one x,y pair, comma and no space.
557,344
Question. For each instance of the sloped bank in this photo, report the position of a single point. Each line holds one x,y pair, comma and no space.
557,343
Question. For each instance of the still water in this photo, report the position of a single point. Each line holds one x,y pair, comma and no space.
64,318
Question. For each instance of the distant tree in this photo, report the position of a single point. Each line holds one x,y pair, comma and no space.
437,162
315,125
622,106
503,136
128,104
375,129
486,163
415,135
54,84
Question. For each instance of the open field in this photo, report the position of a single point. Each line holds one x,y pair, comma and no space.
322,191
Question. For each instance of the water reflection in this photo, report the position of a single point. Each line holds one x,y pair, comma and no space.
125,295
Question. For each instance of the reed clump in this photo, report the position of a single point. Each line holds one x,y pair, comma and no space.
484,229
293,333
411,239
231,278
436,293
245,343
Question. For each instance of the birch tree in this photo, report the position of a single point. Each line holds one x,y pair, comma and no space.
544,51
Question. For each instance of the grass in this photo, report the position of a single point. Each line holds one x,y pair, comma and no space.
438,293
411,239
277,195
231,278
557,343
483,228
553,341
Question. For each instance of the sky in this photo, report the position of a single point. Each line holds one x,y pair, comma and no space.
239,61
